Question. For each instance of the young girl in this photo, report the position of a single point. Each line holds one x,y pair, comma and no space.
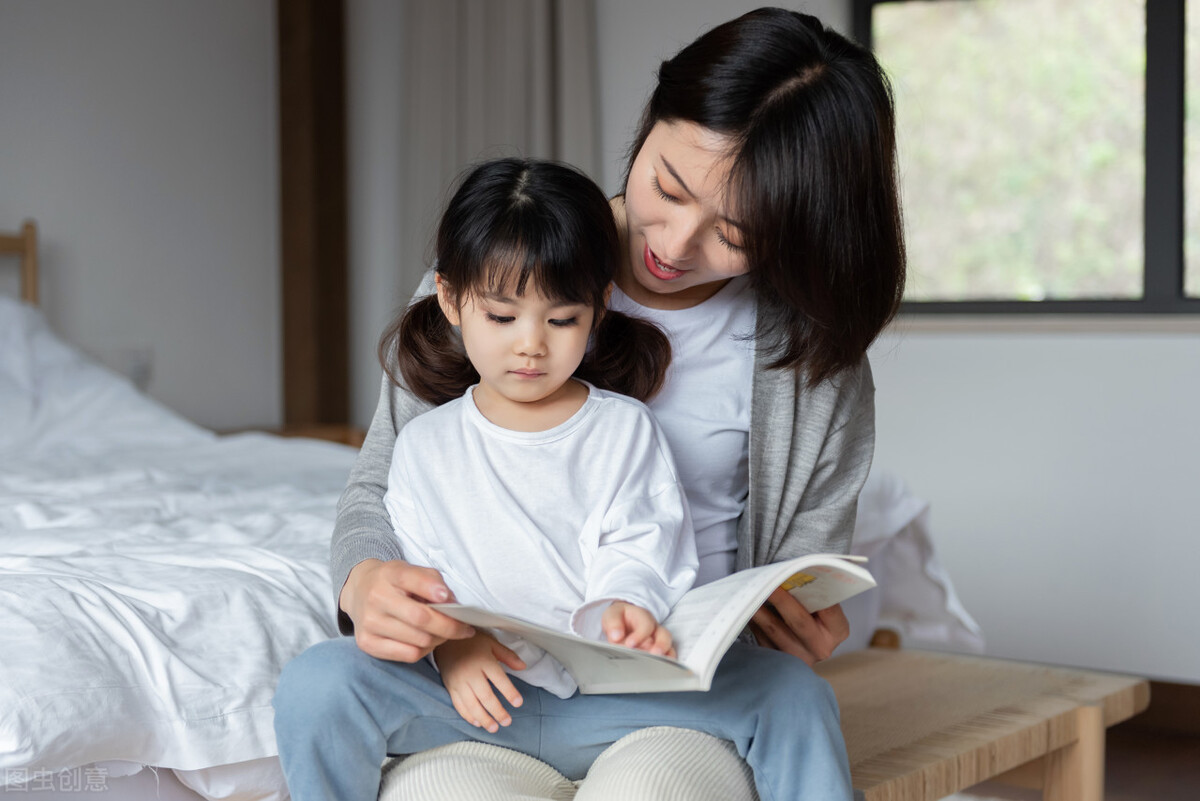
534,490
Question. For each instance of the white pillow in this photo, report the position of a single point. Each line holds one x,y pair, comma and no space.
915,596
53,397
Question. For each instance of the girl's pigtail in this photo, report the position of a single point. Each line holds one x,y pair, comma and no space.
628,355
420,351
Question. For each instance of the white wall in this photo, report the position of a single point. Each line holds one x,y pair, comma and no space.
1063,471
141,136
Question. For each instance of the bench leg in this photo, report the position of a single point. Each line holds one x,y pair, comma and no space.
1076,772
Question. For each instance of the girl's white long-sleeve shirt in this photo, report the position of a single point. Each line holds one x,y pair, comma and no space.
548,526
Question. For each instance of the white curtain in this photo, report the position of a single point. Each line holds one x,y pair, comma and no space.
488,78
432,86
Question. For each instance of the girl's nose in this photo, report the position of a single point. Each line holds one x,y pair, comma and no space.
530,342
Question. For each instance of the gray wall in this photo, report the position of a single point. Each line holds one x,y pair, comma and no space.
142,137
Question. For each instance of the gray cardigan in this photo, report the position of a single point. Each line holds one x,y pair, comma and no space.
810,451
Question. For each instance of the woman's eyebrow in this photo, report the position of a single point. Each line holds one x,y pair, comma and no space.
675,175
679,179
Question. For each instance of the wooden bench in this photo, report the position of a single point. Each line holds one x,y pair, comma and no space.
920,725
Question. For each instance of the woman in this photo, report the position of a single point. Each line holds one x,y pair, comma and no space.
762,231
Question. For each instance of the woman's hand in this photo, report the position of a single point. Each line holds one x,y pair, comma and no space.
470,669
389,604
785,625
632,626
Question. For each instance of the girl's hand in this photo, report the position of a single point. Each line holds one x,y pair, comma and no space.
785,625
470,668
389,604
632,626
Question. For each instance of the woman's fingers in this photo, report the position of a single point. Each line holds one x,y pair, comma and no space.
420,582
783,623
770,630
835,621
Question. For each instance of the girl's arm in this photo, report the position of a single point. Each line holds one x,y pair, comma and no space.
646,553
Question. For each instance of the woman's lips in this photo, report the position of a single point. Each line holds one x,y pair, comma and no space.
662,272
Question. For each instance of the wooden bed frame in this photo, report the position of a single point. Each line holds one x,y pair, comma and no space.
24,244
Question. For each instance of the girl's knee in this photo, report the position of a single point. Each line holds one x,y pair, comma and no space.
316,680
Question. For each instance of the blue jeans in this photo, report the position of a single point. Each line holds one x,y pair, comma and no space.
339,712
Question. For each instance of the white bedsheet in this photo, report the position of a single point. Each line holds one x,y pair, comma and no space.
154,578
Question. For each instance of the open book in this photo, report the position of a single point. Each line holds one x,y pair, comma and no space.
703,625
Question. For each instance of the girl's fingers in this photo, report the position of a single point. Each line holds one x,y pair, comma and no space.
491,712
503,683
463,708
641,626
477,715
508,657
661,641
613,622
495,708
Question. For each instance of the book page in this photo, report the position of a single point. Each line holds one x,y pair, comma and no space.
597,667
709,618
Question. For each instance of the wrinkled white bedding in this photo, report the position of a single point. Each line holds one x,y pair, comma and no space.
154,578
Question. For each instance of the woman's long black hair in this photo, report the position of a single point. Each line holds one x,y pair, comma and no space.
811,125
512,222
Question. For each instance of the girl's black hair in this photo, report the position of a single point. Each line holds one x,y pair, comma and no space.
813,184
512,222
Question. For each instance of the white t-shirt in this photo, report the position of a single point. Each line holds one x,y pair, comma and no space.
549,526
704,409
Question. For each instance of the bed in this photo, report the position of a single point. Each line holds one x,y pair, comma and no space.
155,577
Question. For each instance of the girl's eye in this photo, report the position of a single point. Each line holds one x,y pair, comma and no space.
721,238
661,193
496,318
565,323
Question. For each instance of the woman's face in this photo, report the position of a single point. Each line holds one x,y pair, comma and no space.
684,242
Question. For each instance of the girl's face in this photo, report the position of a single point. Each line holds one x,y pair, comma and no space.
683,241
524,347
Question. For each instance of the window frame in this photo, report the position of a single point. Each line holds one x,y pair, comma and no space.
1163,209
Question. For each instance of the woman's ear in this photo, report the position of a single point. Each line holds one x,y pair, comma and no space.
445,301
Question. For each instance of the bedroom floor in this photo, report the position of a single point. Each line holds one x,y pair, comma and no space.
1141,765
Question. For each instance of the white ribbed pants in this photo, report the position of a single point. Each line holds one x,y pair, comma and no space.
656,764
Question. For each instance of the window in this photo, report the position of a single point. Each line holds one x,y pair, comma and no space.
1041,153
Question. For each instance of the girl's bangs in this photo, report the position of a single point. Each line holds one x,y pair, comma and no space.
513,268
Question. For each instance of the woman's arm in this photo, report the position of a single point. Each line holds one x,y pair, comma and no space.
380,598
810,500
